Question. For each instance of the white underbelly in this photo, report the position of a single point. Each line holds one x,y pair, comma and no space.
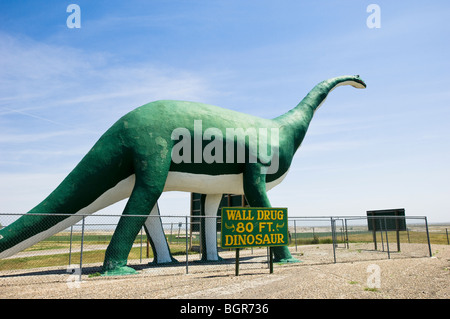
204,184
209,184
177,181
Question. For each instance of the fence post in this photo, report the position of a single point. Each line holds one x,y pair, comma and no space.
333,238
446,231
81,250
295,234
141,247
428,236
346,233
270,260
70,247
187,269
387,239
236,270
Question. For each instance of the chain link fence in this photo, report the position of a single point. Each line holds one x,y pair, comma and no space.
79,250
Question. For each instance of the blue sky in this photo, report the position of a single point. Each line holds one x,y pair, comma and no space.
384,147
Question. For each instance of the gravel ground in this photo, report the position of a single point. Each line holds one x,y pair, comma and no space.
315,277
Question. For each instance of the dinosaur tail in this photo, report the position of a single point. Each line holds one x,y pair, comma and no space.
104,176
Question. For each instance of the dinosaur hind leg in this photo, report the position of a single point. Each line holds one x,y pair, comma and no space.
155,233
209,206
151,174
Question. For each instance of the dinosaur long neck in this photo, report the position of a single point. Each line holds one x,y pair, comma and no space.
298,119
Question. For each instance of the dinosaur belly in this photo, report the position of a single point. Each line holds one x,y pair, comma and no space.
177,181
210,184
204,184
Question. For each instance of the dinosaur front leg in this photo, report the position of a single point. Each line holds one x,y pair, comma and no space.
155,233
209,206
255,191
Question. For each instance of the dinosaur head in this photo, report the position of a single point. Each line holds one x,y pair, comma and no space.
299,117
353,80
358,82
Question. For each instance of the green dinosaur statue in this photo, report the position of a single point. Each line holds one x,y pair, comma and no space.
172,146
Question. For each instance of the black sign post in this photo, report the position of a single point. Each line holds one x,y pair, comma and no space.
392,221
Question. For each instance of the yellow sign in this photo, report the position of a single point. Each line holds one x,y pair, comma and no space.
254,227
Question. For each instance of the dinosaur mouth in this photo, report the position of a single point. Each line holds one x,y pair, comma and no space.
360,82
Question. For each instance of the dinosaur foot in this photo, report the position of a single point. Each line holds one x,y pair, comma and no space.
119,271
173,261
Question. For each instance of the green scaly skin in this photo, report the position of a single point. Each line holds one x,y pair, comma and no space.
141,143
